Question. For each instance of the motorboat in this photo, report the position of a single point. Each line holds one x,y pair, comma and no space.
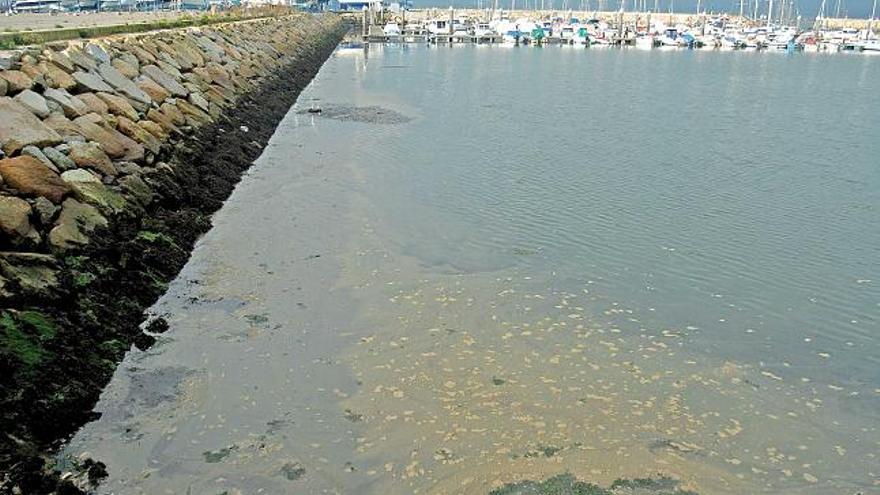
707,42
392,30
729,42
482,30
645,41
670,38
871,46
567,34
582,36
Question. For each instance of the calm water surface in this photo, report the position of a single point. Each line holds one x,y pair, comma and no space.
483,264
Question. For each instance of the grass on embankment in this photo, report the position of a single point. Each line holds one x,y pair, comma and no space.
10,40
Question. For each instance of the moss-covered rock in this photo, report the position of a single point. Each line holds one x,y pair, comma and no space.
563,484
29,274
88,189
23,336
73,227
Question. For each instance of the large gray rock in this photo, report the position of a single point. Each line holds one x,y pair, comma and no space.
81,59
90,82
143,56
61,60
165,80
93,103
90,155
15,221
168,64
124,85
34,102
74,225
152,88
55,76
138,134
127,69
19,127
185,49
115,144
64,127
194,115
8,59
118,105
198,100
196,81
136,188
45,210
80,175
61,161
97,52
37,153
129,59
72,106
214,50
129,168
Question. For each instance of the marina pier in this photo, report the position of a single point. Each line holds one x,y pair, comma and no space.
782,30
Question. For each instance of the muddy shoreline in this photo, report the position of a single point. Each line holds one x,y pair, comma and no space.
98,310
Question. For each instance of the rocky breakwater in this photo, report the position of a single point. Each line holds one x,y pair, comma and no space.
114,153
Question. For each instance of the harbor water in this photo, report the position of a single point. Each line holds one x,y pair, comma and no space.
482,264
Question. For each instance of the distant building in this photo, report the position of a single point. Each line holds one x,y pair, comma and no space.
23,6
357,5
265,2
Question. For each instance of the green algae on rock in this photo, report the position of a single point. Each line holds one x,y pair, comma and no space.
566,484
22,335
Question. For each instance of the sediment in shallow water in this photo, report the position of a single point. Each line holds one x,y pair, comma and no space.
115,153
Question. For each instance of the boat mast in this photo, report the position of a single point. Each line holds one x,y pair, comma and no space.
769,13
742,4
871,21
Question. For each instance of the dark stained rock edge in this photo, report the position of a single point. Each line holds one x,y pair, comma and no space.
106,288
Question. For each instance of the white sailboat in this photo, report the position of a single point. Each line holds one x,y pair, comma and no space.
871,44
